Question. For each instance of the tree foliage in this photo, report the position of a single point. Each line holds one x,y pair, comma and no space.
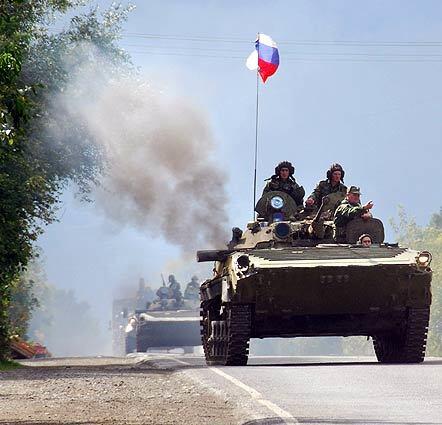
436,220
23,301
35,164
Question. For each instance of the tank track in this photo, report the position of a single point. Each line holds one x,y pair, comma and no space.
238,335
226,339
408,347
204,328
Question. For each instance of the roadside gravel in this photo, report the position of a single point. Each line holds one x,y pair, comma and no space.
107,391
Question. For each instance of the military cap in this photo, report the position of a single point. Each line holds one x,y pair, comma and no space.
354,189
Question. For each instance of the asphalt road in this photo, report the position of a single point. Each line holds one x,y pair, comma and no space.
323,390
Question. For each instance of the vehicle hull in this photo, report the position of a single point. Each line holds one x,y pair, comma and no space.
168,330
353,300
317,292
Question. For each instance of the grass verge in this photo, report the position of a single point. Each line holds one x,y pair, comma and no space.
9,365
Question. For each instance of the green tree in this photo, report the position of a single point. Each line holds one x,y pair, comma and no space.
26,291
436,220
35,165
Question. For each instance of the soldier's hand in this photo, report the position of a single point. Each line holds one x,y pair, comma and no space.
309,202
368,205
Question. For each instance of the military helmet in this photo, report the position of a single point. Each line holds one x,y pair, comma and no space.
335,167
285,164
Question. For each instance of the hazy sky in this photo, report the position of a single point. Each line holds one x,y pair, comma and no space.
371,103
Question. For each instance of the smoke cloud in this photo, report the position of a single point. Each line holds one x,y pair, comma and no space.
161,176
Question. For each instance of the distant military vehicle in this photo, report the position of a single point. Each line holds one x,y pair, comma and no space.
285,276
170,321
122,308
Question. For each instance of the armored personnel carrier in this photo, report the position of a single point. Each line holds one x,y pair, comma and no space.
285,276
166,323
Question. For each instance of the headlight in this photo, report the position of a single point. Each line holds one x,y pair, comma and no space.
424,259
243,262
282,230
277,202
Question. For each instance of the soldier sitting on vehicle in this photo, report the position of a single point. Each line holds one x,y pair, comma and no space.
163,292
333,184
284,181
365,240
175,290
192,291
349,209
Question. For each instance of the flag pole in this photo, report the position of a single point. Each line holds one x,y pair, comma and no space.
256,139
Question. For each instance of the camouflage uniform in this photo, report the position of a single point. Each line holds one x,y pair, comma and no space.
344,213
175,289
192,289
288,186
324,188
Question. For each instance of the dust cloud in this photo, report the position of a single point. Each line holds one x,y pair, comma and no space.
161,176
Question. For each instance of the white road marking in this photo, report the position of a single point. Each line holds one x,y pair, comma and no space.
287,417
257,396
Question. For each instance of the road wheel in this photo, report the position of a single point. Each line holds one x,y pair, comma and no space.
409,346
225,336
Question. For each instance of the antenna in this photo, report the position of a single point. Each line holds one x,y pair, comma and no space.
256,139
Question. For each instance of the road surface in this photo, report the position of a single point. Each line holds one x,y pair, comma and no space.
173,389
324,390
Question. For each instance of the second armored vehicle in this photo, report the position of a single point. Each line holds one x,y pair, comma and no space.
285,276
171,321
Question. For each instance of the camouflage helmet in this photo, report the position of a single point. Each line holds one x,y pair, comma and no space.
335,167
285,164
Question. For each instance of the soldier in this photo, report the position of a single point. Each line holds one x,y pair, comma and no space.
163,293
192,289
284,181
365,240
349,209
175,289
334,183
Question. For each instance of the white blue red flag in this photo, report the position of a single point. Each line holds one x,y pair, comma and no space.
265,57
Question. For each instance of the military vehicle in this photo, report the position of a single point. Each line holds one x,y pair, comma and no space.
122,309
285,276
170,321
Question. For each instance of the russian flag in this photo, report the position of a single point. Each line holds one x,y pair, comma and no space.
265,57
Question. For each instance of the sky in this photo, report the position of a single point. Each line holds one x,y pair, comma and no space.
358,84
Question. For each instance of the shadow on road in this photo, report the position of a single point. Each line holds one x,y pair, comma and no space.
338,363
335,421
